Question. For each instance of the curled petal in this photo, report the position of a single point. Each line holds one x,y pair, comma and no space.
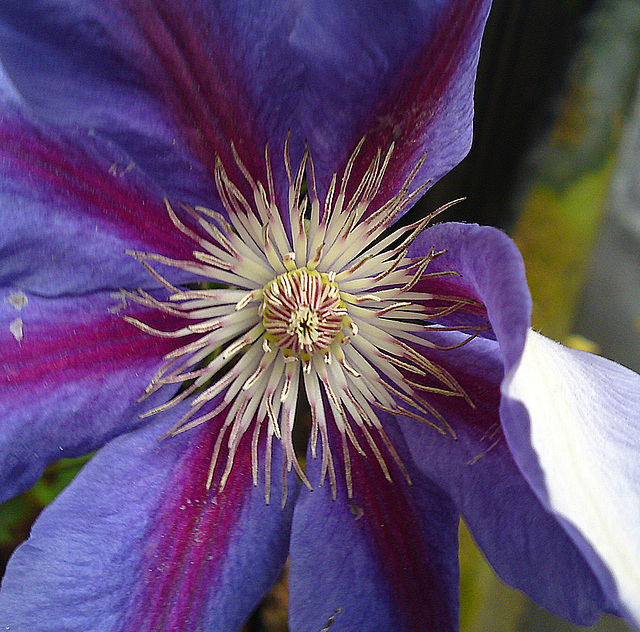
546,389
573,421
484,265
481,469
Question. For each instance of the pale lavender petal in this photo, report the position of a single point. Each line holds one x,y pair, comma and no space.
521,538
573,421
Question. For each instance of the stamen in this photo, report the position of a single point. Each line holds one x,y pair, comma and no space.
323,298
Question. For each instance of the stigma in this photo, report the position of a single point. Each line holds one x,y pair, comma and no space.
303,313
317,298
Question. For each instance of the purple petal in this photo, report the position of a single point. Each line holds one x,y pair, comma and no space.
399,72
137,544
70,215
171,83
384,560
524,542
573,423
175,83
70,376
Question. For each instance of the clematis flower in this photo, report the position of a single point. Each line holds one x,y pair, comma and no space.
200,262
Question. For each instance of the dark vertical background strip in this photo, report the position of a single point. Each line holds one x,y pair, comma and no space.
523,60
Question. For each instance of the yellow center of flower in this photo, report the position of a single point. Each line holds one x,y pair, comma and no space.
302,312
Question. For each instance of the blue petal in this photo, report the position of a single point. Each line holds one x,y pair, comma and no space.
525,543
136,543
174,84
70,377
382,561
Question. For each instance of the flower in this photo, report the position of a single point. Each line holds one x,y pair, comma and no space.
197,203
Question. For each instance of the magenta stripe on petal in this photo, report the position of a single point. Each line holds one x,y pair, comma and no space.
87,187
200,81
393,528
384,560
78,346
71,375
137,544
441,126
189,553
183,551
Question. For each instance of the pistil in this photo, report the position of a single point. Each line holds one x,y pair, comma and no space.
302,312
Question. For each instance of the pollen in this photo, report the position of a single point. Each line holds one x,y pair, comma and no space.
320,296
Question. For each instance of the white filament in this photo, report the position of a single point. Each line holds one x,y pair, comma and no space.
328,300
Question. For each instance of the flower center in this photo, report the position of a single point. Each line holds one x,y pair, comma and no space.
327,300
302,312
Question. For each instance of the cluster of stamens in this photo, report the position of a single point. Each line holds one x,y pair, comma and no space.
325,299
